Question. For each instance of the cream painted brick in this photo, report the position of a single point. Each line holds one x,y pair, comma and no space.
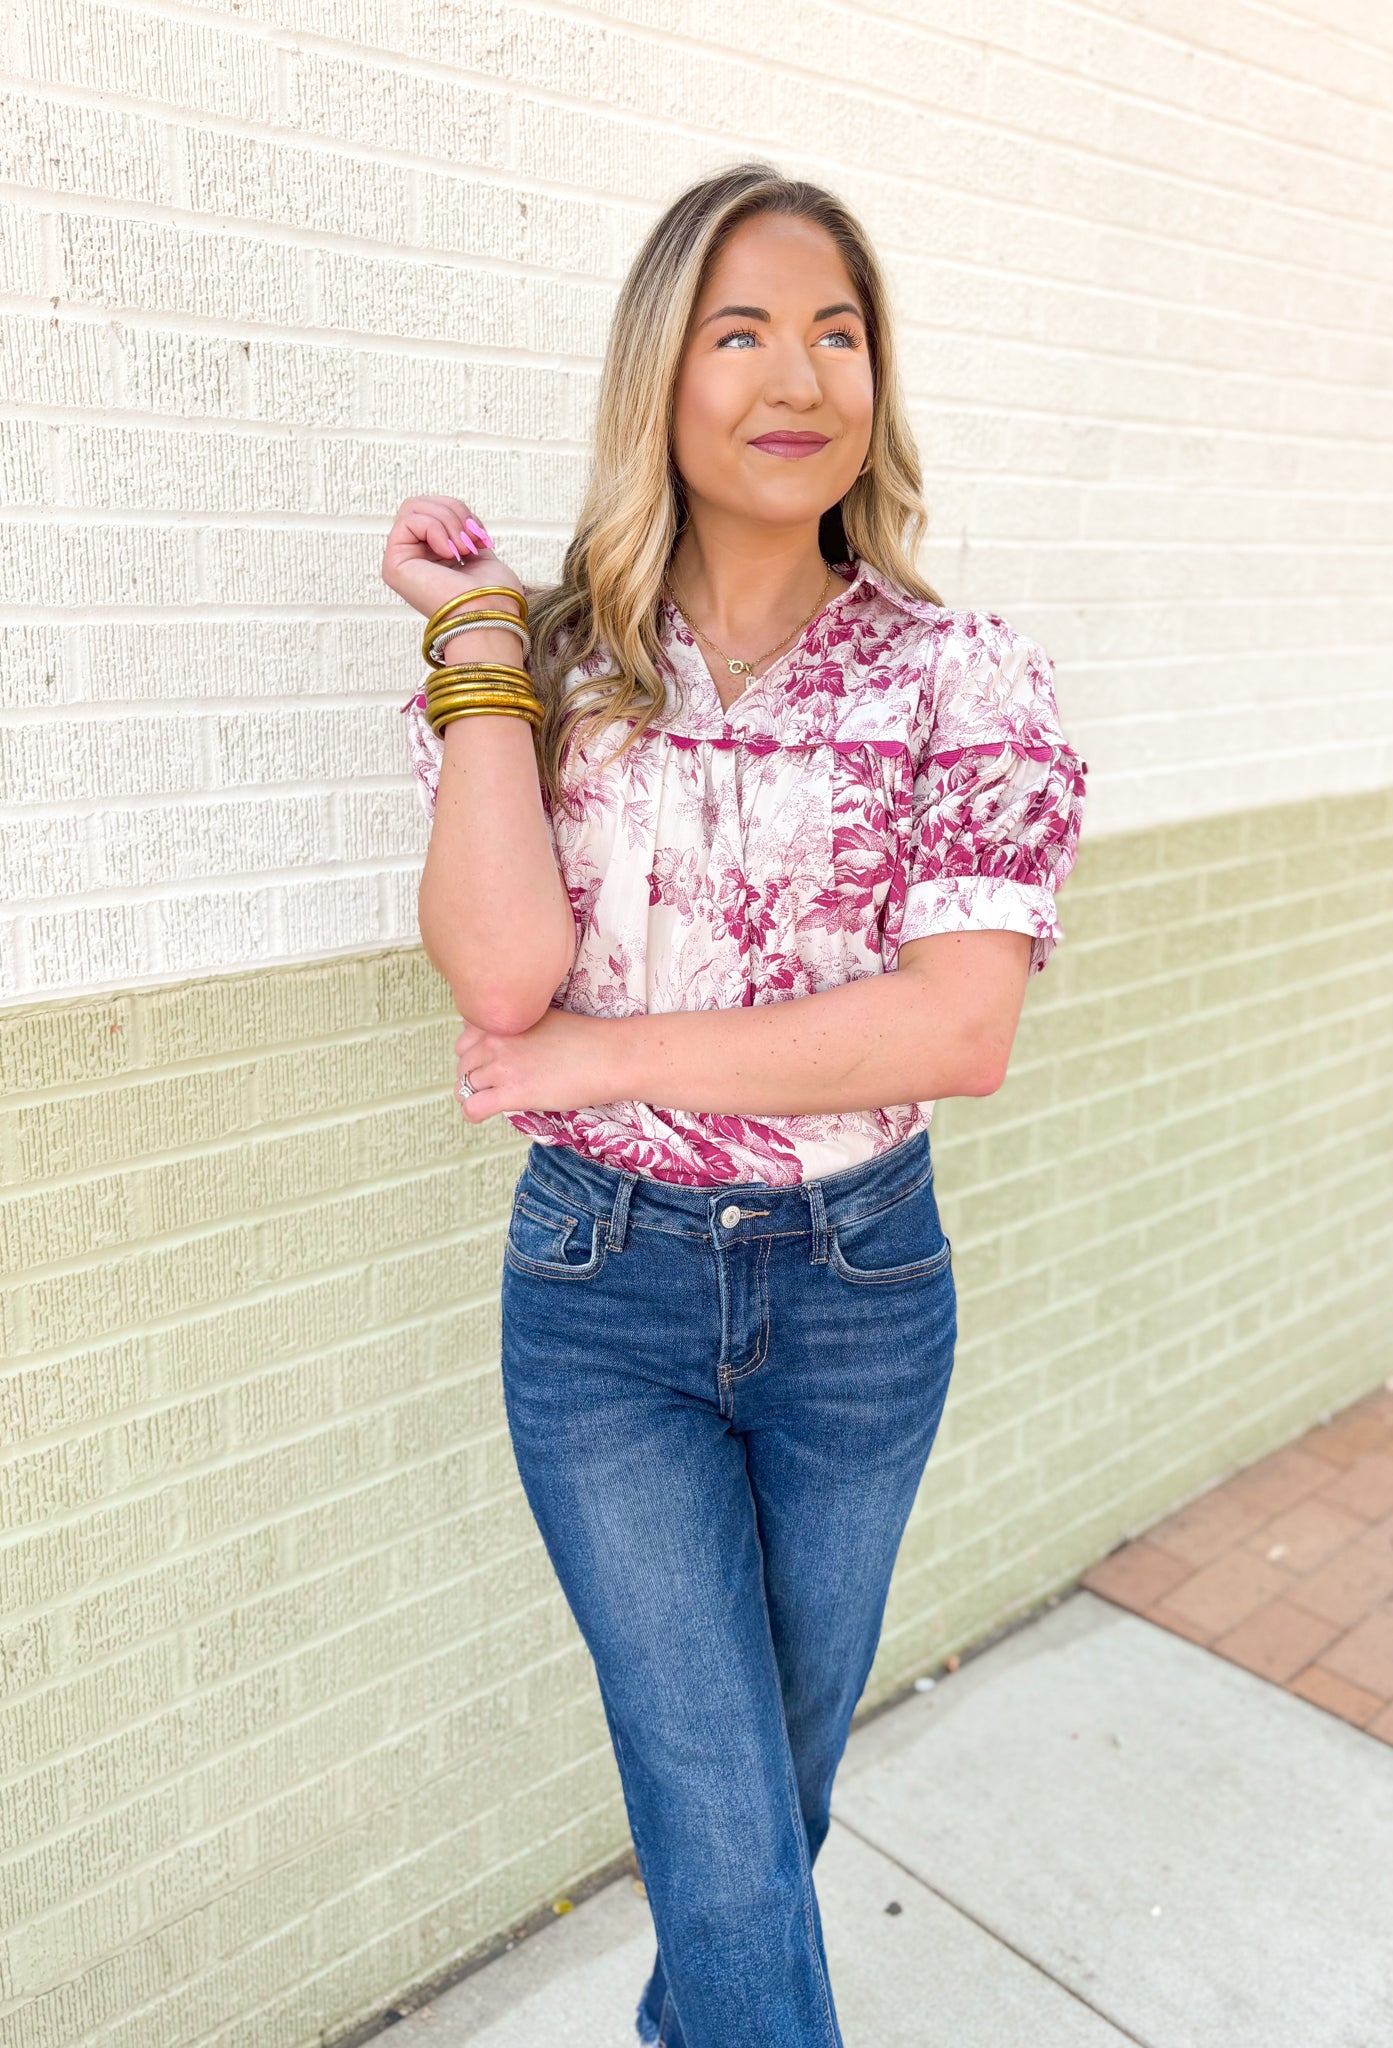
77,757
43,565
43,857
174,843
305,745
147,56
377,107
376,823
303,383
365,23
375,477
265,565
329,916
589,148
533,404
420,301
53,362
207,659
32,667
66,1557
240,1014
326,190
109,261
21,237
199,930
69,950
81,1042
26,454
151,469
538,228
192,376
437,393
56,146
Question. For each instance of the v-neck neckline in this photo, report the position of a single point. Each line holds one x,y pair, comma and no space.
756,683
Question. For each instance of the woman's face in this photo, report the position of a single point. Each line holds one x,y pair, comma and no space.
774,394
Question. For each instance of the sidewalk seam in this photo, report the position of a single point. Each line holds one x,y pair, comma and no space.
1002,1940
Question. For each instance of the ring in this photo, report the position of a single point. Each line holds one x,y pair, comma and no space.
465,1087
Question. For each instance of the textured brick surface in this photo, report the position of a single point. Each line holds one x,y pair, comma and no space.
270,268
292,1713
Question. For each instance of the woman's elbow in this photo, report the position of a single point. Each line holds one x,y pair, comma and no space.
504,1003
984,1080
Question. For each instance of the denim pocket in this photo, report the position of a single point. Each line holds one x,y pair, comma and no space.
904,1241
543,1238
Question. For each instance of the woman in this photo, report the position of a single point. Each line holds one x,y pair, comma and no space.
768,881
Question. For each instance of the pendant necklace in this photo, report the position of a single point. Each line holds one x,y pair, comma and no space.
733,662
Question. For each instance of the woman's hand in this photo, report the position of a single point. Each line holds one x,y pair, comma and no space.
563,1061
435,550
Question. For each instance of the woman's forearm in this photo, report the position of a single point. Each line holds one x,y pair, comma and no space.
494,914
889,1038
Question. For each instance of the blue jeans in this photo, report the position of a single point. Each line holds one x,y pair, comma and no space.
721,1400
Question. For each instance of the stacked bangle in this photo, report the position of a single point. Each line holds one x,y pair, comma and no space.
453,611
472,625
468,689
471,686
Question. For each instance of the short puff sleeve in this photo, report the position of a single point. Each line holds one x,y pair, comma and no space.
998,791
427,751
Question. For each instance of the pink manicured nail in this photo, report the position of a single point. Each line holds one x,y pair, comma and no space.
475,527
454,550
466,542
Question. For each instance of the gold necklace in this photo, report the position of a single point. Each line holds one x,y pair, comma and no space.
733,662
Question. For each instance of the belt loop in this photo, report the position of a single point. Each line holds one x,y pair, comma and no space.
619,1214
813,1191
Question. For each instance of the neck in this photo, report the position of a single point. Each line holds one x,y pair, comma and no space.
740,581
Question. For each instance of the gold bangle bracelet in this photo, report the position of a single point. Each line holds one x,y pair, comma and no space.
496,686
458,607
483,590
461,693
512,685
477,692
483,711
480,697
468,671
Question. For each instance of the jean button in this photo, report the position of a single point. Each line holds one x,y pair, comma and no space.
730,1216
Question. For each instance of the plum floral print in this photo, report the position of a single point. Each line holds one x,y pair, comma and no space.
899,772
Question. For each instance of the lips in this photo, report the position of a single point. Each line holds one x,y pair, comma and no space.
790,445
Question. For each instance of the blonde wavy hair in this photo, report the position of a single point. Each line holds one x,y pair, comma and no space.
606,603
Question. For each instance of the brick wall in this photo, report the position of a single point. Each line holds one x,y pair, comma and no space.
292,1715
270,269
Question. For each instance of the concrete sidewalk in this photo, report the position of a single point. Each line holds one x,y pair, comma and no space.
1094,1832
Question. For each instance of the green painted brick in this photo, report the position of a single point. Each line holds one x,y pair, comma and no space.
265,1563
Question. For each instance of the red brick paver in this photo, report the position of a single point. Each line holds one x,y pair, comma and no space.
1285,1568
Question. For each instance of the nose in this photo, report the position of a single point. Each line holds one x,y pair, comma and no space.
792,377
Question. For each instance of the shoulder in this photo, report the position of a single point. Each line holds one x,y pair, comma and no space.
948,637
976,674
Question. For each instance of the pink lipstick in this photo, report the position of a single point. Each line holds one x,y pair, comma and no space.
791,446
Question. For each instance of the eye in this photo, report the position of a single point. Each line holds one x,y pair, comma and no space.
840,334
738,334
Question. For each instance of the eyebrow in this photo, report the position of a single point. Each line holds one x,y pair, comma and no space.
761,313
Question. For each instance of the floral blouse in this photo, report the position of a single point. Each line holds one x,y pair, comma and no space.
901,771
